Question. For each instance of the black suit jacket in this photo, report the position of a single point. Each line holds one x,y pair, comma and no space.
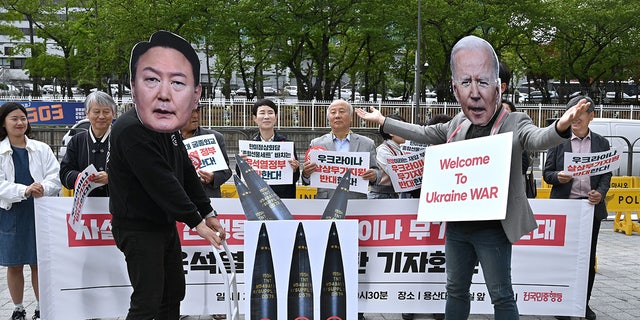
284,191
555,164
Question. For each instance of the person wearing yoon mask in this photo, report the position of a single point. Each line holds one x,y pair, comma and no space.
152,182
476,86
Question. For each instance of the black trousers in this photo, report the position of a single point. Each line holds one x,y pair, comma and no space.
154,264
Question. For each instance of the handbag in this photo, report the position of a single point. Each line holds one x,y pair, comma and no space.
530,184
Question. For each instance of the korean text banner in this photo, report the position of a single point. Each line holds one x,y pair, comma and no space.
591,164
401,262
204,153
331,166
53,113
270,160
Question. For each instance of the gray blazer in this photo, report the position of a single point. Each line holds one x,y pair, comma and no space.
519,219
358,143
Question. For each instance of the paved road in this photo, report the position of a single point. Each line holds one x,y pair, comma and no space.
615,295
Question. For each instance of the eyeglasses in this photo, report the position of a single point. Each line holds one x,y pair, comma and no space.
481,83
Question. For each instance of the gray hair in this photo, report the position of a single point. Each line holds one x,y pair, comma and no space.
341,101
473,42
99,98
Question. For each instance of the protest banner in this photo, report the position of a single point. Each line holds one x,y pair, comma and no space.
82,188
401,261
204,152
591,164
473,184
270,160
412,147
331,166
406,171
52,112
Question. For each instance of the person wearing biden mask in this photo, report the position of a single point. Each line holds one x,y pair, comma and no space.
476,86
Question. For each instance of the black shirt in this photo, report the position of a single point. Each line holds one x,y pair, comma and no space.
151,179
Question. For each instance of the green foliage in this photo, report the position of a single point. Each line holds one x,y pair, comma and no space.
327,44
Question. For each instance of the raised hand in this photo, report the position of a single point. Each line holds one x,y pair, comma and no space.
373,115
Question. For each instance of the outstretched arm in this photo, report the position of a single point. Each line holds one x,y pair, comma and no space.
373,116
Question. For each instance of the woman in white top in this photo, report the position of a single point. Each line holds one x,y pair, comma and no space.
28,170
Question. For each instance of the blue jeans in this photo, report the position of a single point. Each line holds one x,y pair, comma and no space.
465,245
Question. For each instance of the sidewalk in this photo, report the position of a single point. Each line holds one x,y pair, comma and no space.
615,294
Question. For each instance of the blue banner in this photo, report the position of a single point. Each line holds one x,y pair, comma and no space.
53,113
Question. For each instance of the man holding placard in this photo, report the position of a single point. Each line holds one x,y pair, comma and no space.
591,187
341,139
211,180
476,86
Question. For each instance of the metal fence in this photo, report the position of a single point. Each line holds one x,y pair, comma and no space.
302,120
312,114
294,113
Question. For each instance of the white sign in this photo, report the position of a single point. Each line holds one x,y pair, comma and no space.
401,261
204,152
82,188
282,236
332,165
591,164
466,180
405,171
411,146
269,159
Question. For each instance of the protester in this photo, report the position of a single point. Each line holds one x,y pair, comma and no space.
440,118
593,188
91,146
339,115
152,182
211,181
476,86
265,115
390,147
28,170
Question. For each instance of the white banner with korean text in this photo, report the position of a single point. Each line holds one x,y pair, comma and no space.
84,185
332,165
412,147
401,262
591,164
205,154
406,171
269,159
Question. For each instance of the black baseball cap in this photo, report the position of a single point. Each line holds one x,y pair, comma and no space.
166,39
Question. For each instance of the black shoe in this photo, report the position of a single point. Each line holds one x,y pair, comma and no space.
36,315
407,316
590,315
19,315
438,316
563,318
